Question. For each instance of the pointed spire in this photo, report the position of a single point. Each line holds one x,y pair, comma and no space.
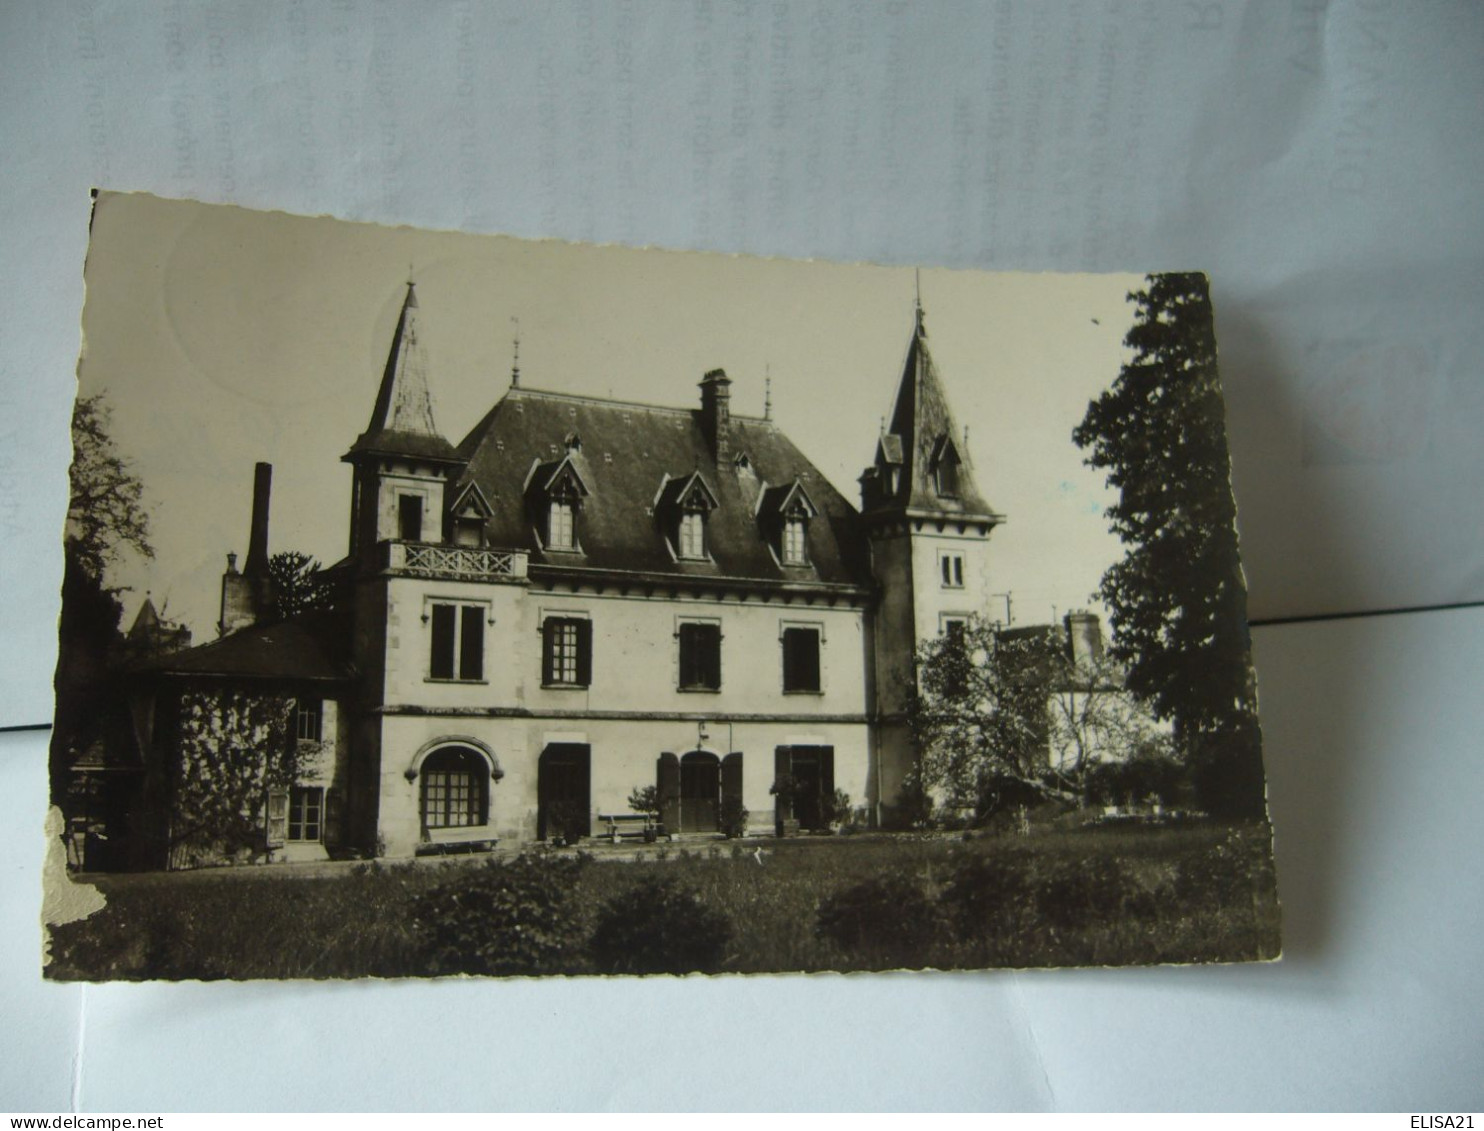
515,358
402,419
922,430
768,391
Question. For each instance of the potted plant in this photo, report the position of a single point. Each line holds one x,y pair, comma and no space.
786,788
839,810
646,799
733,818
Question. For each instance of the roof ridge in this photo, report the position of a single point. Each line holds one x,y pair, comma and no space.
614,402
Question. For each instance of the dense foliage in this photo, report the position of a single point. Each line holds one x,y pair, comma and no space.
297,585
1177,599
504,918
659,927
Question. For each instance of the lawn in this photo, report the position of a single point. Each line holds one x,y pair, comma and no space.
1054,898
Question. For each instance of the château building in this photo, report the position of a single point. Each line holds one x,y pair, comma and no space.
583,597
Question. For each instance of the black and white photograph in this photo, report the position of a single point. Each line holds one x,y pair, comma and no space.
441,604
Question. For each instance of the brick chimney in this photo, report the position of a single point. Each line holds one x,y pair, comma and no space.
716,411
247,595
1084,637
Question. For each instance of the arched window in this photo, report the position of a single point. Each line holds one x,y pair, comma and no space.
455,789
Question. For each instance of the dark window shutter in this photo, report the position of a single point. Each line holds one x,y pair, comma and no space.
332,816
808,660
827,781
548,650
471,645
688,673
584,652
667,774
711,658
443,629
731,780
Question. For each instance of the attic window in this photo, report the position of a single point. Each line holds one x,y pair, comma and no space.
795,540
573,442
743,464
692,540
607,457
945,469
561,525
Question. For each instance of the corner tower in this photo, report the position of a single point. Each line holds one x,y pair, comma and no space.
928,528
401,462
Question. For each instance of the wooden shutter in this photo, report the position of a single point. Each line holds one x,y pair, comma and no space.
548,650
332,817
731,781
808,659
782,767
711,654
584,652
443,630
667,773
471,644
826,783
278,817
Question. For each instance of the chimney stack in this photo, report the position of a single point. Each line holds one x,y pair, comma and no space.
716,411
1084,637
257,544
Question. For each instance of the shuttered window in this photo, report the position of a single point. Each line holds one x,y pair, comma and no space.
457,642
700,657
567,648
801,659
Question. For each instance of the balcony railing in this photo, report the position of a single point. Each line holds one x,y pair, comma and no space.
459,563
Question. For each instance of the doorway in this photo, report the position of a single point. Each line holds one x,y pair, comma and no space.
700,792
563,791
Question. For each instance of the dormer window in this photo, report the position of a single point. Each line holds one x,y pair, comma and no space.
684,507
795,541
945,466
467,517
561,525
554,494
784,513
693,534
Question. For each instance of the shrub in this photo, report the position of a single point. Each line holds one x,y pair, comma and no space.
887,920
659,927
568,820
1080,893
988,894
502,918
734,816
1225,874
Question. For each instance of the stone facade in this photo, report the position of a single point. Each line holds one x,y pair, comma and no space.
587,597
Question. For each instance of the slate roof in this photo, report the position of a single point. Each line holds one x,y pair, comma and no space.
921,424
402,419
627,451
310,647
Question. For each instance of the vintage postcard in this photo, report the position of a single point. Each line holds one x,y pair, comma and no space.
446,604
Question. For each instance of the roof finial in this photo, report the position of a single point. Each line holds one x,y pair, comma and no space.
515,360
917,277
768,391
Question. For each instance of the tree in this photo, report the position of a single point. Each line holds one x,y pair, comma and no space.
297,585
105,516
1093,719
1177,602
978,712
106,511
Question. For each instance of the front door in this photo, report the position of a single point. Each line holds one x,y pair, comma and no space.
563,795
700,792
812,769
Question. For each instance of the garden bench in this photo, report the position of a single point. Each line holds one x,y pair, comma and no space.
621,825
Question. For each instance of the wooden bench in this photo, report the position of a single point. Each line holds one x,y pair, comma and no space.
617,826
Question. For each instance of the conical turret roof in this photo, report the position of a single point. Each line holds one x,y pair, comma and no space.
402,419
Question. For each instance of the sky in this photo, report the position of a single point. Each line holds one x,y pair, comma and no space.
222,336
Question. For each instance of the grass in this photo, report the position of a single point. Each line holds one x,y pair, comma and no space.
1055,898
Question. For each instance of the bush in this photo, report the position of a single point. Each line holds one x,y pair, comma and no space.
734,817
987,894
888,920
1225,874
1081,893
659,927
510,918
